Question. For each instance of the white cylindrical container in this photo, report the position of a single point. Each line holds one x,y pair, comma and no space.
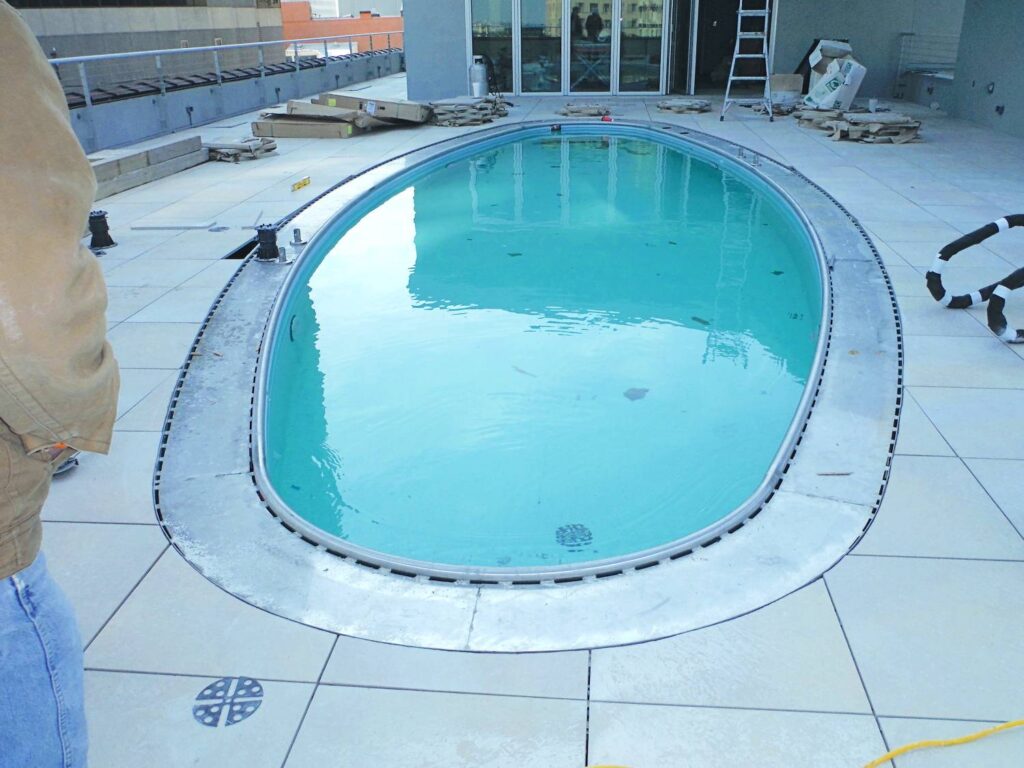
478,78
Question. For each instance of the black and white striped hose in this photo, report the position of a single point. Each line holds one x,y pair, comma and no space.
994,294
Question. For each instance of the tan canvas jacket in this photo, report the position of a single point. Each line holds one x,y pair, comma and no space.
58,376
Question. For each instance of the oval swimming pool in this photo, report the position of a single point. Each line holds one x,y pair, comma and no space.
541,352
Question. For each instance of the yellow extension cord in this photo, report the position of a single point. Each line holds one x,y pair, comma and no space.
918,744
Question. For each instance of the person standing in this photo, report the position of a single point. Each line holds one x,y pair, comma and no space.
594,25
575,24
58,394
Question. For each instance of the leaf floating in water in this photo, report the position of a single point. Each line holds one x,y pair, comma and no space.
517,369
515,253
636,393
834,474
777,272
672,242
701,320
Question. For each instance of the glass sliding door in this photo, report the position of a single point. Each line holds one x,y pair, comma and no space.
640,51
541,29
492,39
590,46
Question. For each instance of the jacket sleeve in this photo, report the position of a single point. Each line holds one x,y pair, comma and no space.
58,376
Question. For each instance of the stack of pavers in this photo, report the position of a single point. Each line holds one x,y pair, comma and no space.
860,125
685,106
339,115
458,113
585,110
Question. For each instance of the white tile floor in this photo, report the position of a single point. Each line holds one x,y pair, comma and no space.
917,635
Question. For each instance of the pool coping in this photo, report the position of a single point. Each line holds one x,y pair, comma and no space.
832,487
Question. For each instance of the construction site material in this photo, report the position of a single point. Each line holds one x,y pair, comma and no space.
786,90
835,79
118,171
822,55
459,113
382,109
251,148
584,110
868,127
284,126
685,106
753,20
318,111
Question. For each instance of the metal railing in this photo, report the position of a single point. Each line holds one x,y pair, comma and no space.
108,77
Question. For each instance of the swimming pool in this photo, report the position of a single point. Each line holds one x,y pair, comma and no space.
542,353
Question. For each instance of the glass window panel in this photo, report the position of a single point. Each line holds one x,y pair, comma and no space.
590,62
542,46
640,67
492,39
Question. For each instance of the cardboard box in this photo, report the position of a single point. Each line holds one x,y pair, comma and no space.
274,127
824,53
403,111
786,89
324,112
839,85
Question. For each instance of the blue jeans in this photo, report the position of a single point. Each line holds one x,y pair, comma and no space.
42,711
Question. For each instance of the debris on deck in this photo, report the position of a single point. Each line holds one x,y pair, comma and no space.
119,170
685,106
869,127
461,112
585,110
252,148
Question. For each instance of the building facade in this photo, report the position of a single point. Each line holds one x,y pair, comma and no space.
571,47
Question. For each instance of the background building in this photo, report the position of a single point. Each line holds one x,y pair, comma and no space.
942,51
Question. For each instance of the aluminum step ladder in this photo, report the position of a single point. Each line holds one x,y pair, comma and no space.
749,36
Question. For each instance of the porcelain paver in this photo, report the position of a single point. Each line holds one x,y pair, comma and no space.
438,730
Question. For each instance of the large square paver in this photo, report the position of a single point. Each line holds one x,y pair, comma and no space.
918,436
364,727
152,345
935,638
1004,480
978,423
359,662
1002,750
789,655
177,621
933,507
645,736
984,361
97,565
116,488
146,720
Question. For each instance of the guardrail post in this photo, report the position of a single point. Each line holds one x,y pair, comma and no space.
371,42
295,47
263,71
216,68
87,94
162,108
389,41
326,54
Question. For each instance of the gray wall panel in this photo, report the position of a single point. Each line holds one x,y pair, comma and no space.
435,49
991,52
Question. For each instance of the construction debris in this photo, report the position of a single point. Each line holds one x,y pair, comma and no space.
319,111
392,111
869,127
835,76
585,110
685,106
472,112
251,148
118,170
284,126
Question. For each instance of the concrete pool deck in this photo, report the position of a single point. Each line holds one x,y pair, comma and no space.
915,635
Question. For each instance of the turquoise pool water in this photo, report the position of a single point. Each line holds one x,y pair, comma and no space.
555,349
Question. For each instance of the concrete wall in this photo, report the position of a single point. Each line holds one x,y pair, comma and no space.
991,53
872,27
436,49
91,31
